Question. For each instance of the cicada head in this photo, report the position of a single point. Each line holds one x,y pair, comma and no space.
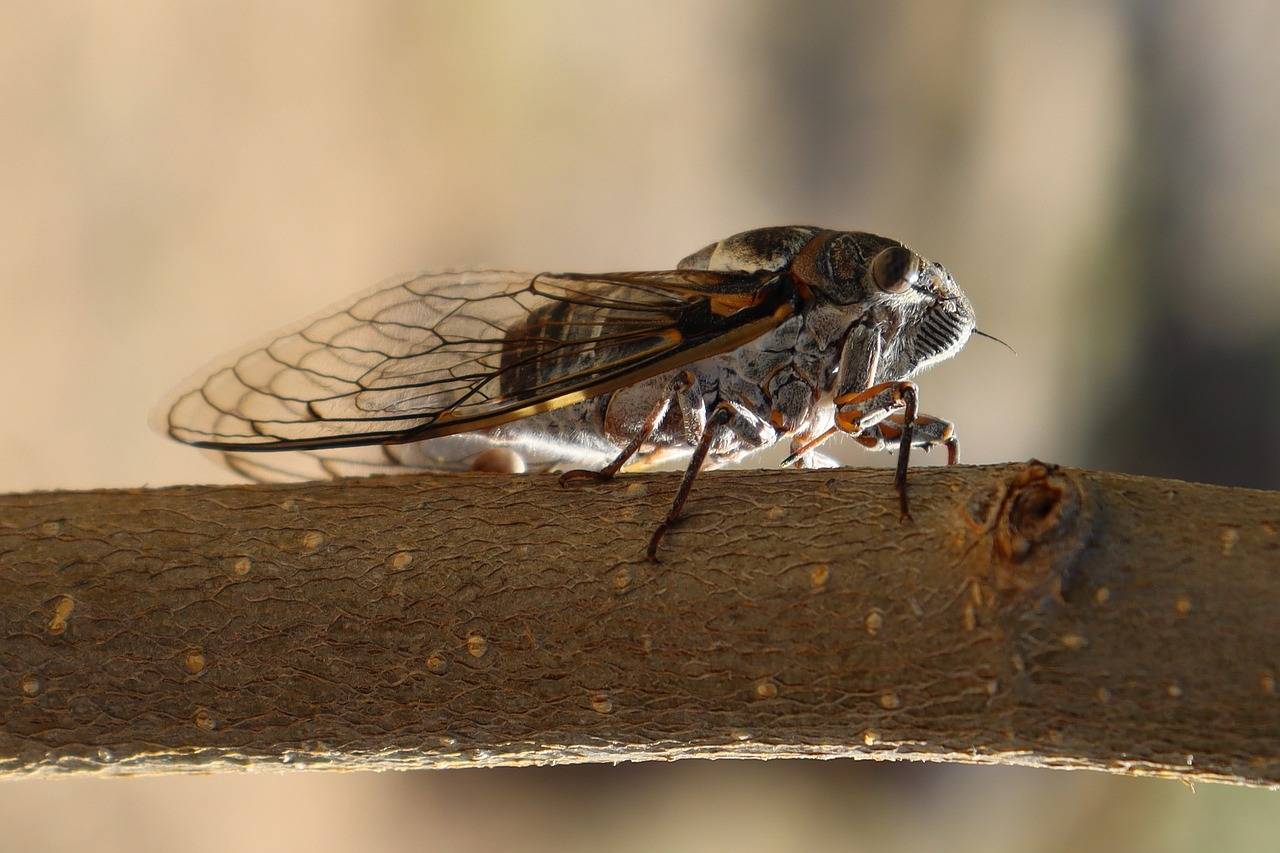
939,322
923,315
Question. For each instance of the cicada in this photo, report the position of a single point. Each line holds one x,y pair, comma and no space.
777,334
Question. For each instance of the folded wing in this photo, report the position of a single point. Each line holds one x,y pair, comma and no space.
444,353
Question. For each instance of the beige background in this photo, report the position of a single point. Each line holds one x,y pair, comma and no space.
179,177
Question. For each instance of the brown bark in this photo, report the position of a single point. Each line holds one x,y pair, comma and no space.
1028,615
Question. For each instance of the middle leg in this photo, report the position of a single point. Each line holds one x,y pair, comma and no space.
857,411
732,430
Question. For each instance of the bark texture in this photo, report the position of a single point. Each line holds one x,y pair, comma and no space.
1029,615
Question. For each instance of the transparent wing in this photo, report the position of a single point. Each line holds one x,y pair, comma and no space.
438,354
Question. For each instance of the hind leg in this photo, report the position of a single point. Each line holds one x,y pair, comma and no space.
682,392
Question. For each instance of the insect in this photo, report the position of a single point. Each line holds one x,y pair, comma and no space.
787,333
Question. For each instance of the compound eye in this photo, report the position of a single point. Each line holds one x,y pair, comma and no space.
895,269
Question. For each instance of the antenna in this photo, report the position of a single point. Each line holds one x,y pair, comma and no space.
997,340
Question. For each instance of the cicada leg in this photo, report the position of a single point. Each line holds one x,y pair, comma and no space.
857,411
682,388
804,451
719,418
928,431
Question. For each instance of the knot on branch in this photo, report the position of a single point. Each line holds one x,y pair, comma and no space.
1037,520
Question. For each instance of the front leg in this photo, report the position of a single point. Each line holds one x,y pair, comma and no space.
929,431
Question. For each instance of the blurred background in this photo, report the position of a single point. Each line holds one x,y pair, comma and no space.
1102,178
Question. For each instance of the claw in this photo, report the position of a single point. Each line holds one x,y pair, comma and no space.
651,553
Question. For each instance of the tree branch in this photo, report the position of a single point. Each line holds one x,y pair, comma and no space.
1028,615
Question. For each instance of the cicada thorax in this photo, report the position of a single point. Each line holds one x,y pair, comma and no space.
760,249
829,272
